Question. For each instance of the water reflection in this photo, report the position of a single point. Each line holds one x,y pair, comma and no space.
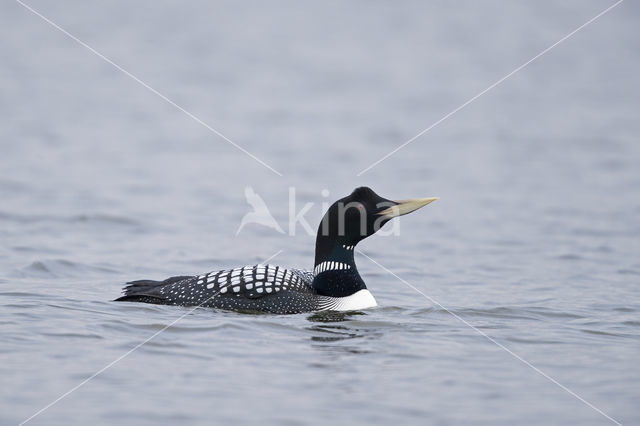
333,329
333,316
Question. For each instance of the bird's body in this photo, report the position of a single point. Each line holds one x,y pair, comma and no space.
334,284
258,288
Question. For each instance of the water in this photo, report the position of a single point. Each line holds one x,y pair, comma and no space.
535,240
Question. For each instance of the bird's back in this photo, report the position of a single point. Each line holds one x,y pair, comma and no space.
263,288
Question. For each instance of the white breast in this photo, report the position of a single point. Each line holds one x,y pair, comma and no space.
361,299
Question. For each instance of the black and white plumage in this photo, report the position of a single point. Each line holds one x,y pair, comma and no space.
261,288
334,284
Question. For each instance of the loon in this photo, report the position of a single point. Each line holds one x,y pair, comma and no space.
334,284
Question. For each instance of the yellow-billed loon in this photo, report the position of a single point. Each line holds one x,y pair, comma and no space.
334,283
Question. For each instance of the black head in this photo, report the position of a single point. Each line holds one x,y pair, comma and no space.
354,217
357,216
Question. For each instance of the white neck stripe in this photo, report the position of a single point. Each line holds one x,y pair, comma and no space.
330,266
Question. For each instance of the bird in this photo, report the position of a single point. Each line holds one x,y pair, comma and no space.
334,284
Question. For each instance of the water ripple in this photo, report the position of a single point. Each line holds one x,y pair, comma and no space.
60,268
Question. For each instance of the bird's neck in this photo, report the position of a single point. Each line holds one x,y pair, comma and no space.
335,270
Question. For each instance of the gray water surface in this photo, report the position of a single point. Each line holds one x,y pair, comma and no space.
534,242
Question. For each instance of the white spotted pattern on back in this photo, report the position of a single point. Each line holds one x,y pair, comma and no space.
255,281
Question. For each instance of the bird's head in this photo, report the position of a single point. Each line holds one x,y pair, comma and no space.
362,213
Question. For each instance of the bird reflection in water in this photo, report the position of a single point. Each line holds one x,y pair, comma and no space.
331,330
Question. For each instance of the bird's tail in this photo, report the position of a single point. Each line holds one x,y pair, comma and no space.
146,288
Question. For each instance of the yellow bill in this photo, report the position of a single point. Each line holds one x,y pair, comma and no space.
403,207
